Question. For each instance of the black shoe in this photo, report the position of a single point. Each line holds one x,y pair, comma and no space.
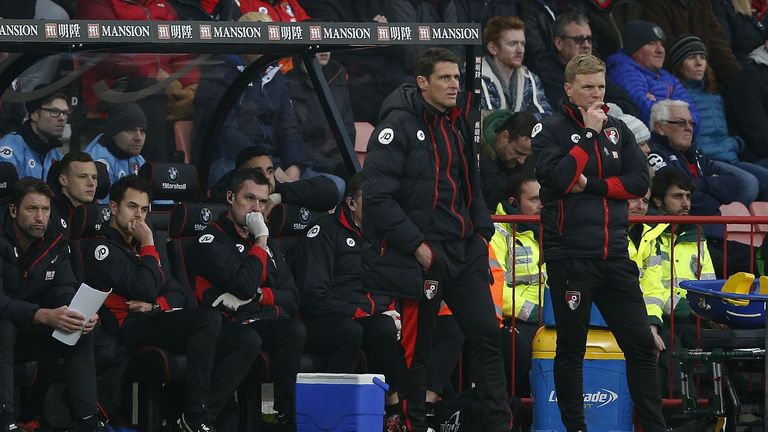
188,426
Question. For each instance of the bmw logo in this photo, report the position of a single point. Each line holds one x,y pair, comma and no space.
173,174
304,214
205,215
105,214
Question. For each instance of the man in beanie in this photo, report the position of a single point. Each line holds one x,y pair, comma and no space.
695,17
573,35
638,68
34,147
119,147
507,146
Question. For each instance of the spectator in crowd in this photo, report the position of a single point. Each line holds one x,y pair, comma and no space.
35,146
240,271
573,36
539,18
606,19
672,147
515,249
324,150
119,146
339,314
506,147
688,58
506,83
695,17
747,102
426,246
38,285
638,68
480,11
744,24
373,73
147,307
584,191
136,72
77,181
671,193
278,10
316,193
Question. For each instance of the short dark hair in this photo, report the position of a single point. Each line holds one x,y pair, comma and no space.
354,186
665,179
562,21
243,175
516,182
133,181
426,62
519,124
27,185
73,156
249,153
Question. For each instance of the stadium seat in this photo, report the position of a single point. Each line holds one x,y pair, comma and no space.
288,223
759,208
363,131
741,232
182,133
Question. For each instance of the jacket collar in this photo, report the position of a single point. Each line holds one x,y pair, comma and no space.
571,112
116,236
109,143
432,115
347,220
34,141
226,225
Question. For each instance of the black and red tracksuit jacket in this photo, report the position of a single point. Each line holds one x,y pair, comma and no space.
223,261
329,271
132,272
41,276
421,183
593,223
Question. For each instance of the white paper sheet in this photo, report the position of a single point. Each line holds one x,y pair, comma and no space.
87,301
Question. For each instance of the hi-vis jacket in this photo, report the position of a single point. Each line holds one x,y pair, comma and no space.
692,262
645,251
516,253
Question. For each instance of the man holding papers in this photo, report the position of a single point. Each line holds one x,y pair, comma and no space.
37,285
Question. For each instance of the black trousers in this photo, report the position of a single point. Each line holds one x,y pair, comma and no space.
238,348
192,332
36,343
340,339
446,349
614,287
460,276
523,335
283,339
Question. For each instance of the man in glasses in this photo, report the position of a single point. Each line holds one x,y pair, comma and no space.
672,147
35,146
574,36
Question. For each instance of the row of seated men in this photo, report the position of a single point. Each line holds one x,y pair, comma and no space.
234,297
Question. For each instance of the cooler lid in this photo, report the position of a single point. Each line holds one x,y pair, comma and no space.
332,378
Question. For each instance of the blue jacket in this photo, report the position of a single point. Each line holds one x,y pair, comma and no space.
644,86
712,134
525,92
262,115
712,186
118,165
28,153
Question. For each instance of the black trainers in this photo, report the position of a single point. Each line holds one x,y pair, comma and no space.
188,426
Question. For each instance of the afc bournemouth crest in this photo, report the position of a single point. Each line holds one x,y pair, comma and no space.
430,289
573,298
613,134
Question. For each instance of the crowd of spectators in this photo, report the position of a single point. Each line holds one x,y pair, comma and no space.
688,78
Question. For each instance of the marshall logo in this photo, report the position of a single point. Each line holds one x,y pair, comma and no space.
232,32
430,288
173,174
613,134
346,33
18,30
573,298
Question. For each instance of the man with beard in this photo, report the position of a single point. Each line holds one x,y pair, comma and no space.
119,147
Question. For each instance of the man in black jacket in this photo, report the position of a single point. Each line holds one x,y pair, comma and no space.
427,224
239,269
37,285
589,164
148,307
77,181
340,315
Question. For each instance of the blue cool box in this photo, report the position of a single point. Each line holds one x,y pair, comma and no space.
340,402
607,404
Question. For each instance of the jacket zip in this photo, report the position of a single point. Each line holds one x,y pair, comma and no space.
606,213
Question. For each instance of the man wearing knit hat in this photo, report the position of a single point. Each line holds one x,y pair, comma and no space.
638,68
119,147
34,147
